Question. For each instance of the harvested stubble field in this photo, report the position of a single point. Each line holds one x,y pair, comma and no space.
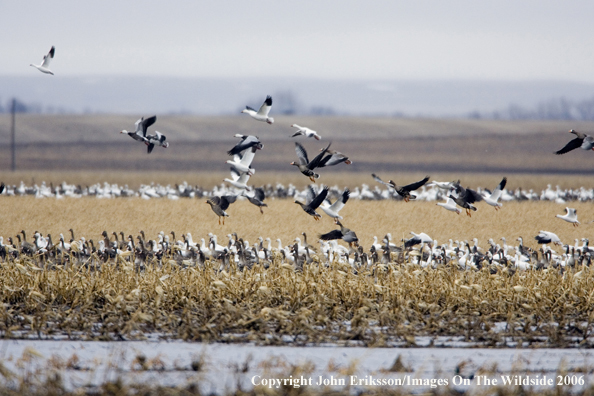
385,305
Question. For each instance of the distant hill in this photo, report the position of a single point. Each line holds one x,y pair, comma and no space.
217,96
375,144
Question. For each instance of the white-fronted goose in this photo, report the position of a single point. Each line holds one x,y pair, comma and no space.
304,131
333,209
582,141
344,233
403,191
246,142
334,158
262,114
570,216
465,198
494,197
305,165
311,206
257,198
44,65
220,204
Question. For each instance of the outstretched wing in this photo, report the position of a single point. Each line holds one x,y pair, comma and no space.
472,196
334,234
572,145
265,108
377,179
144,124
336,206
317,201
247,142
259,194
414,186
497,192
150,148
48,57
227,200
301,154
317,160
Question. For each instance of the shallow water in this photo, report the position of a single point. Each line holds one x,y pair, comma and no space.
225,367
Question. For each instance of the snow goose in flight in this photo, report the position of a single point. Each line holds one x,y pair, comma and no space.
333,209
220,204
570,216
449,205
494,197
43,66
247,141
403,191
312,204
242,162
238,179
305,165
141,126
582,140
547,237
262,114
157,139
416,239
304,131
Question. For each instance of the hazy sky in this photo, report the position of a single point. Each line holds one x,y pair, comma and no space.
494,40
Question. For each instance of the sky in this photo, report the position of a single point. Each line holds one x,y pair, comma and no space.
333,39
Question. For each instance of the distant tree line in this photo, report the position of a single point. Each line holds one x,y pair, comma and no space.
552,109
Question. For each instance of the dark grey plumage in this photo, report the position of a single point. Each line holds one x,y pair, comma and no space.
305,165
311,206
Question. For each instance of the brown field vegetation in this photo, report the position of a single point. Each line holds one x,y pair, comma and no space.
283,219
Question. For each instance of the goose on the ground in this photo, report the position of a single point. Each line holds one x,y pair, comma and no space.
494,197
257,198
305,165
570,216
141,126
547,237
449,205
157,139
582,141
220,204
304,131
403,191
246,142
44,65
262,113
333,209
344,233
312,204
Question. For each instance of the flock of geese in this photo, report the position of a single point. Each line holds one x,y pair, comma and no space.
419,249
312,199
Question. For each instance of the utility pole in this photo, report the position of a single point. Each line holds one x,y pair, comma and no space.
13,136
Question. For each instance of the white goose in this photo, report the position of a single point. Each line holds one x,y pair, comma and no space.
242,161
333,209
141,126
494,197
570,216
449,205
238,179
305,132
43,67
262,113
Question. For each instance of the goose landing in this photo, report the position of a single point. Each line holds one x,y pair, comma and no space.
570,216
